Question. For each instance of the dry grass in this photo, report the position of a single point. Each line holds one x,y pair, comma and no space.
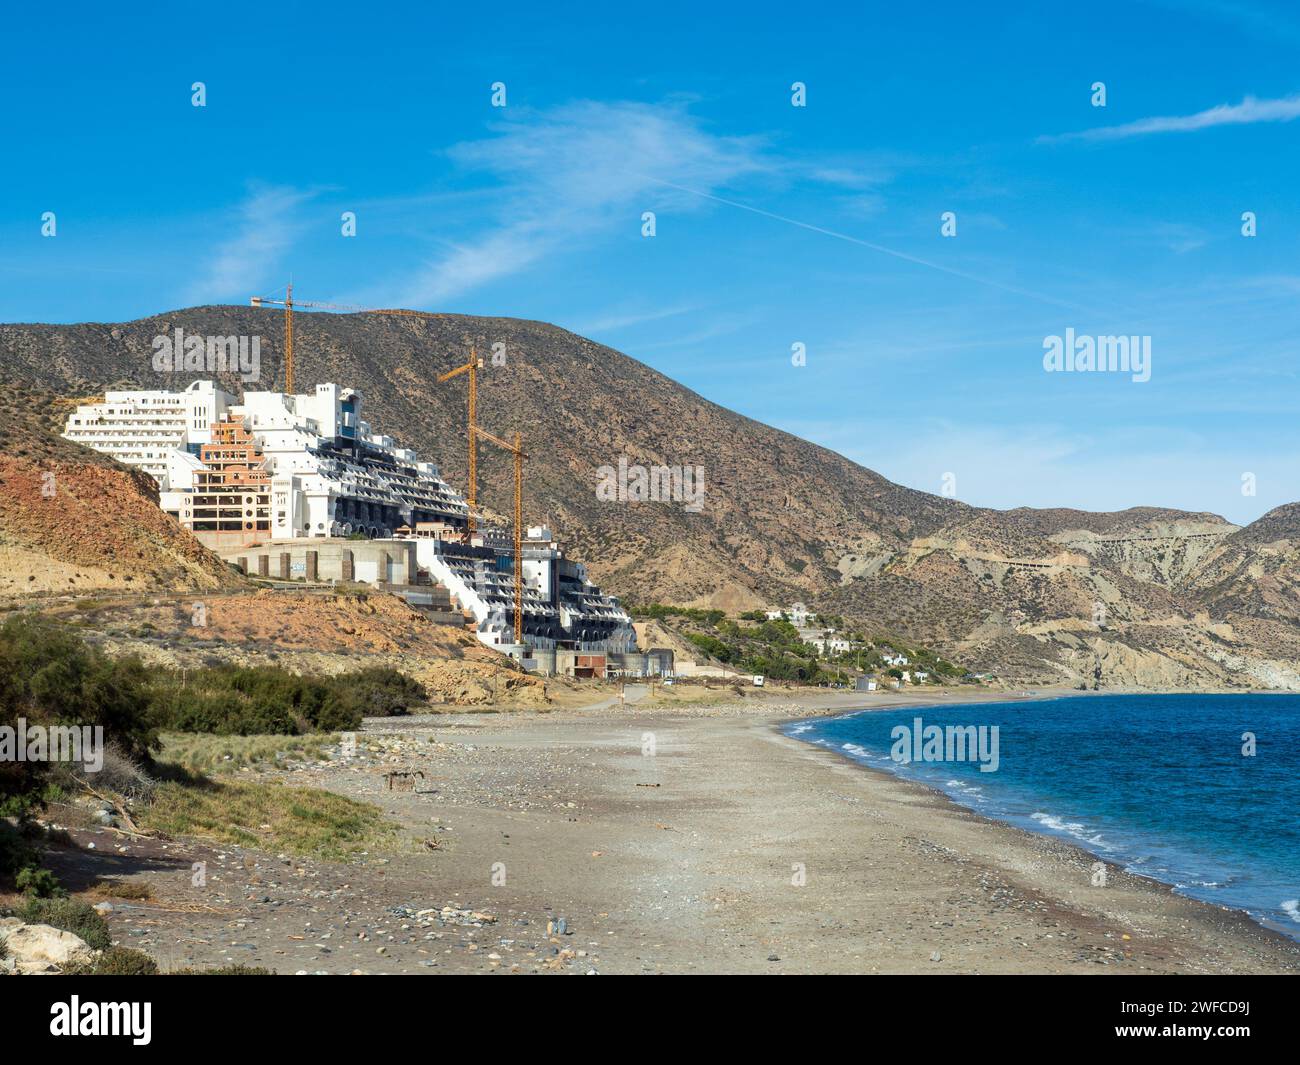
203,753
692,695
122,889
272,817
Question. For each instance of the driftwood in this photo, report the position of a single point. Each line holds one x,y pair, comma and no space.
132,829
400,774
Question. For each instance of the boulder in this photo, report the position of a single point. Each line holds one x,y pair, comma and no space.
41,948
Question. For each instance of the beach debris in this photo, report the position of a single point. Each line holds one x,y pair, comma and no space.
936,956
446,915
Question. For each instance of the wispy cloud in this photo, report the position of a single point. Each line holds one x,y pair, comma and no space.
623,319
1248,112
575,171
264,226
1179,237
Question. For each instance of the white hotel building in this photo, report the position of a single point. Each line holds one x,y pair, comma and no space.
330,475
144,428
316,471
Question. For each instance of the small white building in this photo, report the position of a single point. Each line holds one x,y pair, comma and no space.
830,643
798,615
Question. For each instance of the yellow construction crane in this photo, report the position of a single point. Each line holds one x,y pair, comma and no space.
288,303
472,368
517,450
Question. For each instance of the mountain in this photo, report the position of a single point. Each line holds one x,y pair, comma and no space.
1147,597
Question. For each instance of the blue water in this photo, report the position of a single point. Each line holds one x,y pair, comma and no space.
1156,784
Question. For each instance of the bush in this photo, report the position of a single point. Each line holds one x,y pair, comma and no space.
48,676
228,700
116,961
38,883
79,918
380,692
710,645
16,851
662,610
244,701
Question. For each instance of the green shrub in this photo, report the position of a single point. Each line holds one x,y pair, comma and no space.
229,700
16,850
79,918
380,692
38,883
50,677
710,645
116,961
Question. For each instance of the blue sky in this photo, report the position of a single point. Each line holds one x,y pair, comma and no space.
776,224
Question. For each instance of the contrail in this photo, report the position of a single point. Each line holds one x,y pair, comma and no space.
874,247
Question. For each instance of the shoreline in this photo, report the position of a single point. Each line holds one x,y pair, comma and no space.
1112,867
681,838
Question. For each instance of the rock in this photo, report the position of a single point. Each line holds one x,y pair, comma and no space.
103,907
41,948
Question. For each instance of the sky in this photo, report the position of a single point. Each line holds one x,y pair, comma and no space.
799,271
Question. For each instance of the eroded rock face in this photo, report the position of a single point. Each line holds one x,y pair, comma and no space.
40,948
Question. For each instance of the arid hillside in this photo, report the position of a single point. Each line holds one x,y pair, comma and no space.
74,521
1147,597
309,632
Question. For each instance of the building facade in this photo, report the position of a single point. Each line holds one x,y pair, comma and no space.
281,469
142,428
329,473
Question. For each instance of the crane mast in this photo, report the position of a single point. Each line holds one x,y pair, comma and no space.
472,430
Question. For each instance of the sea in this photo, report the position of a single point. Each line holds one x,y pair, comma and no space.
1201,792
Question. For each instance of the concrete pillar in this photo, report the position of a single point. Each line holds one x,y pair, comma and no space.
263,565
348,568
381,568
284,565
312,557
412,570
242,563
